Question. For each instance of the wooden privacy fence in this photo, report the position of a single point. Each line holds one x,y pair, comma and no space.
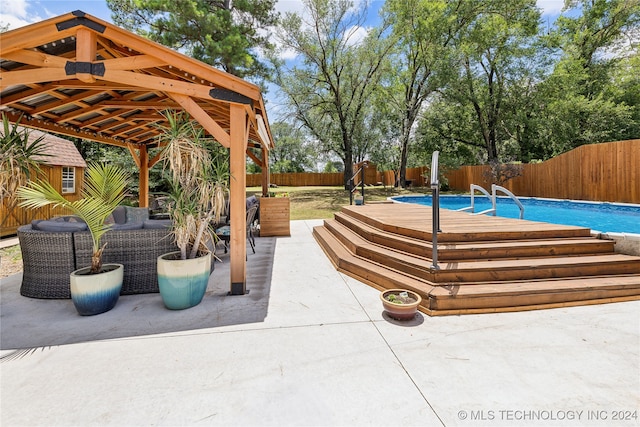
598,172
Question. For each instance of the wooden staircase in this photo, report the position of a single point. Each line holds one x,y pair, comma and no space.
486,264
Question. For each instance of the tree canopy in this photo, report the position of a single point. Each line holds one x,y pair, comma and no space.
224,33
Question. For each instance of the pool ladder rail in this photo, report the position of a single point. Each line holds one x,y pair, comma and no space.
493,197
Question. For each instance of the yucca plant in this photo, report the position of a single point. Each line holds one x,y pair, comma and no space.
199,183
103,191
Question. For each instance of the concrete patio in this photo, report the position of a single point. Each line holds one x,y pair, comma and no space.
311,346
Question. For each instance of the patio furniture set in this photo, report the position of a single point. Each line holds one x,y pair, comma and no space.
52,249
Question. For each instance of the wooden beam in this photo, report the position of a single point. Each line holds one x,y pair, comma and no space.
253,157
266,175
46,125
35,58
201,70
25,77
143,187
35,35
86,45
66,101
137,62
238,238
132,149
203,118
157,83
155,159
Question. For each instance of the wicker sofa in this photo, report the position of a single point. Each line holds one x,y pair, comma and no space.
50,256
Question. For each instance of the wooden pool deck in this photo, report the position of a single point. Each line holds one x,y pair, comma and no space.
486,264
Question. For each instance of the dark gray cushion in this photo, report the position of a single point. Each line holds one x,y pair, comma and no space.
253,200
137,214
67,218
59,226
127,226
119,215
157,223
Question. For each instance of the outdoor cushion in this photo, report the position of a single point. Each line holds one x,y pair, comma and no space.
157,223
67,218
58,226
136,214
127,226
118,216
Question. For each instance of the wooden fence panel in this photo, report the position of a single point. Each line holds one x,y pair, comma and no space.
598,172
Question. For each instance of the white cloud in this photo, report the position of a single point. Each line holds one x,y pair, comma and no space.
16,13
550,7
355,35
295,6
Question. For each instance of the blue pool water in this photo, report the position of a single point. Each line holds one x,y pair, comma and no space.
603,217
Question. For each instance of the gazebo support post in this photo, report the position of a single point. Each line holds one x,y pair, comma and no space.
265,172
237,190
143,195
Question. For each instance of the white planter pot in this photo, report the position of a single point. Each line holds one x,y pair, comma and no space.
183,283
96,293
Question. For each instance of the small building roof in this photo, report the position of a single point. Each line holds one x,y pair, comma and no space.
61,152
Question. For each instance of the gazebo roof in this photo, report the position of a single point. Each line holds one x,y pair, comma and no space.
80,76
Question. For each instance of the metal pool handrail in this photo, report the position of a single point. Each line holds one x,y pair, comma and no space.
435,209
495,188
472,207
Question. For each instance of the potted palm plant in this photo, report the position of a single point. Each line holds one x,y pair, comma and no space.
94,289
199,185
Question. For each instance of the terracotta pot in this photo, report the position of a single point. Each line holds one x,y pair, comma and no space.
400,311
182,283
96,293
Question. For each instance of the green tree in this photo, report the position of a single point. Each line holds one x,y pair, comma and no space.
329,87
596,47
224,33
422,30
292,152
488,54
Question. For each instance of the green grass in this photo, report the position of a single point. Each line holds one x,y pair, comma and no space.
323,202
11,253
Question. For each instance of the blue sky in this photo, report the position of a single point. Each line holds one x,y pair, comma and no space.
17,13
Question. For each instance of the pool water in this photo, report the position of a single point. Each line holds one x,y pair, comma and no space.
603,217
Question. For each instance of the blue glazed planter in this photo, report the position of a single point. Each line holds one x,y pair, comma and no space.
96,293
183,283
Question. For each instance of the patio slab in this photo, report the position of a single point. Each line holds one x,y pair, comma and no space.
311,346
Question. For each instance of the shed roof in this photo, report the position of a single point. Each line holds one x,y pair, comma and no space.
61,152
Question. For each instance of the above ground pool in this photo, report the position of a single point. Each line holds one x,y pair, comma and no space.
602,217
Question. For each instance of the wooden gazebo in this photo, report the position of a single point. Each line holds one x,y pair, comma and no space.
80,76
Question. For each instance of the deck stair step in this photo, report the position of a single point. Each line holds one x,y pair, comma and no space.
478,249
483,270
367,271
544,269
415,221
